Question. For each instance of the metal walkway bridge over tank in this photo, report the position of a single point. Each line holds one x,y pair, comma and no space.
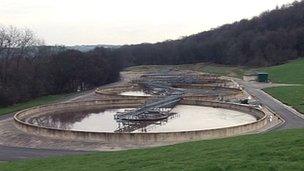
155,109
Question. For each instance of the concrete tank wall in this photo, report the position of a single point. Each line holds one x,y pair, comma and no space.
115,90
135,137
235,93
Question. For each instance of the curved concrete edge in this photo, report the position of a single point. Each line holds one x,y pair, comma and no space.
233,89
115,90
281,123
138,138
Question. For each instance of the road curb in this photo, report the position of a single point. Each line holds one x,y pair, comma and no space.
294,111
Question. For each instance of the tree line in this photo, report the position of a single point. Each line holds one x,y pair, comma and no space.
269,39
29,69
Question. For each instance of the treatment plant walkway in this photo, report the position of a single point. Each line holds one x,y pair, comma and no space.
293,119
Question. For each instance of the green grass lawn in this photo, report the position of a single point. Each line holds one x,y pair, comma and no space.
31,103
292,96
291,73
270,151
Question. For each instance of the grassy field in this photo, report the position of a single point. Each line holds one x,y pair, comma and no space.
291,73
272,151
292,96
31,103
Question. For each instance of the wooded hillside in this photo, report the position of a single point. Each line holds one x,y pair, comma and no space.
269,39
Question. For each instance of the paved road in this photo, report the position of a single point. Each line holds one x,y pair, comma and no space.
18,153
292,118
2,117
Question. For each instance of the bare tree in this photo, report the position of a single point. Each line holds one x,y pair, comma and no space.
15,43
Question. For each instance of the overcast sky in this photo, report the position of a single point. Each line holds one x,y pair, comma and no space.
71,22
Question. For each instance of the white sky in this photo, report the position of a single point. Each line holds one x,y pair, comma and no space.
71,22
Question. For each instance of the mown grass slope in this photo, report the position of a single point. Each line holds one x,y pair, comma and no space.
35,102
292,96
290,73
272,151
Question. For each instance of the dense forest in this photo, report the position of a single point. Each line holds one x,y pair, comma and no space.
28,69
269,39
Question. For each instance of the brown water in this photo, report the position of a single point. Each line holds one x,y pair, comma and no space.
188,118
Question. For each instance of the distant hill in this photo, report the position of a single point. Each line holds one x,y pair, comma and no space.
86,48
271,38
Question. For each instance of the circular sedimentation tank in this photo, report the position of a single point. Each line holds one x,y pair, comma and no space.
206,91
204,85
136,112
184,118
194,119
